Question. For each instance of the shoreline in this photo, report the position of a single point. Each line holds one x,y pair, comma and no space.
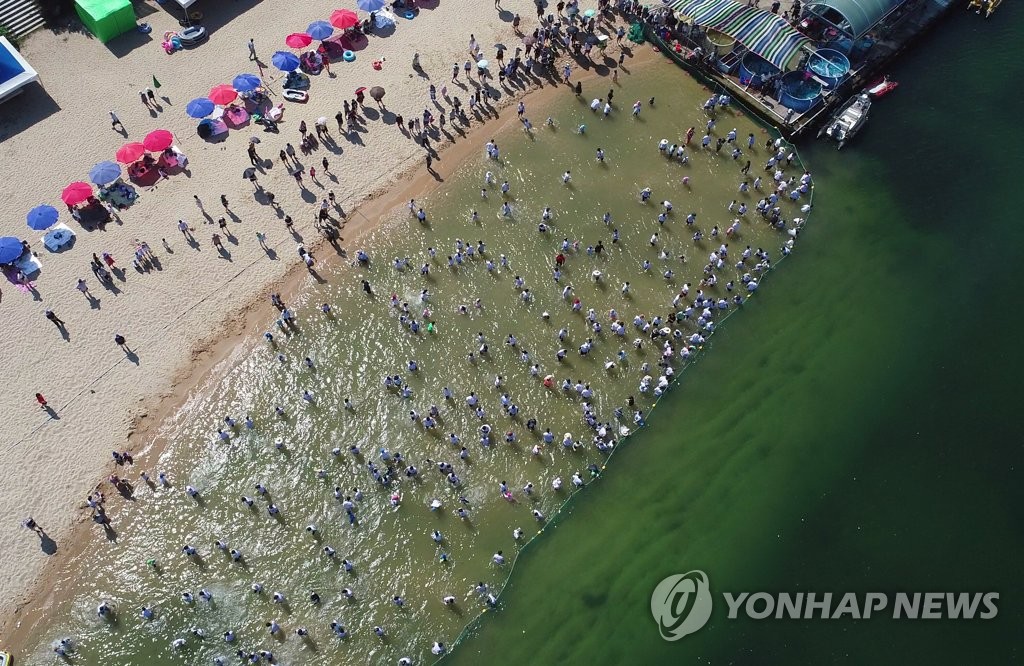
234,329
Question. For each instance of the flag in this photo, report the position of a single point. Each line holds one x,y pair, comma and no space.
156,84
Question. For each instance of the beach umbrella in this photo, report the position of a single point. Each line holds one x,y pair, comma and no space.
205,129
248,173
10,249
529,40
482,64
591,39
76,192
343,19
371,5
298,40
43,217
223,94
105,173
158,140
199,108
320,30
128,153
246,82
284,61
590,13
377,93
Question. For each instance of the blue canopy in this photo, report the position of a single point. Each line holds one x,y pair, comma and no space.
856,17
320,30
199,108
246,83
10,249
284,61
370,5
42,217
105,173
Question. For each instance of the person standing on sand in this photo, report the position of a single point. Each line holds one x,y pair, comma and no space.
83,287
254,157
252,50
55,319
122,343
115,122
41,400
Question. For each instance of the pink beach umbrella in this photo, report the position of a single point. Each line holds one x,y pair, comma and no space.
130,152
158,140
298,40
76,193
343,19
223,94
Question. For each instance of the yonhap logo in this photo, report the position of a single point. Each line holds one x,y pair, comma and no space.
681,604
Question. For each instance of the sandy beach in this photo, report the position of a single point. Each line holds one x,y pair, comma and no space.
182,317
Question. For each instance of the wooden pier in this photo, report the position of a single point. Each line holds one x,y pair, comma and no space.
922,15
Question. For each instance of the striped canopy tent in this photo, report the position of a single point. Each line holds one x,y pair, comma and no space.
761,31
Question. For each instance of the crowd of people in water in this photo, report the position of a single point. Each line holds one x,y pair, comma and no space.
731,271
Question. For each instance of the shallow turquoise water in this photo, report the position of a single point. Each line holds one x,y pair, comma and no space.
856,433
364,340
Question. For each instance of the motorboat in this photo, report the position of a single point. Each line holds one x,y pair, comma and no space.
986,7
881,87
848,121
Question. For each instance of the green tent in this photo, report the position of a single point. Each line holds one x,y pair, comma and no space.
106,19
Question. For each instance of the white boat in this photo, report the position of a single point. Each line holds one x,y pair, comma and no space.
848,121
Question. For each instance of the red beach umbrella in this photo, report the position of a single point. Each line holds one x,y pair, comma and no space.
223,94
76,192
129,152
343,19
158,140
298,40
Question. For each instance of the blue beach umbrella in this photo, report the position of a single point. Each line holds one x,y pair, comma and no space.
320,30
284,61
10,249
199,108
105,173
42,217
370,5
246,82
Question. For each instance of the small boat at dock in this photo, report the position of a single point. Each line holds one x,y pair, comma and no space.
881,87
848,121
984,7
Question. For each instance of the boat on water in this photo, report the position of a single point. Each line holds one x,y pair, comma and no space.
5,659
984,7
848,121
881,87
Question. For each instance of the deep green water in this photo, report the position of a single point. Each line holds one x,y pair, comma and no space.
858,433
